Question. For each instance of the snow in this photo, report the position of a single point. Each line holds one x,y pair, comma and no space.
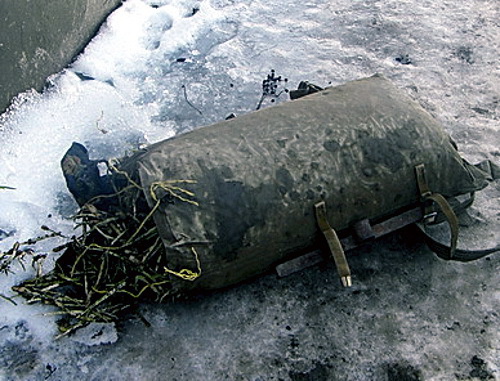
131,86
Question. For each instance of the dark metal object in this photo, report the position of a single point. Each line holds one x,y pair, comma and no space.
363,230
305,88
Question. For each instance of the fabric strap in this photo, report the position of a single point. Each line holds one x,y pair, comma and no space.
334,244
462,255
451,219
451,252
428,199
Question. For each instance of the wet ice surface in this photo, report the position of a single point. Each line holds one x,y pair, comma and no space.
163,67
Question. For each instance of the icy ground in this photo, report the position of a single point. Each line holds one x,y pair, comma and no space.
160,67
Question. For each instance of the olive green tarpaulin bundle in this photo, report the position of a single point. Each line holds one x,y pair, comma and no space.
256,179
227,202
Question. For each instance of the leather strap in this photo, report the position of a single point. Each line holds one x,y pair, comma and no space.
450,251
461,255
334,244
436,198
451,218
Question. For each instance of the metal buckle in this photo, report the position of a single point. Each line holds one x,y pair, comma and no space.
430,218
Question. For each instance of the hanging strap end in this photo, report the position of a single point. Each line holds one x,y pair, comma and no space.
334,244
346,281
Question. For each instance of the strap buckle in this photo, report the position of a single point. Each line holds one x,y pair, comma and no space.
430,218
